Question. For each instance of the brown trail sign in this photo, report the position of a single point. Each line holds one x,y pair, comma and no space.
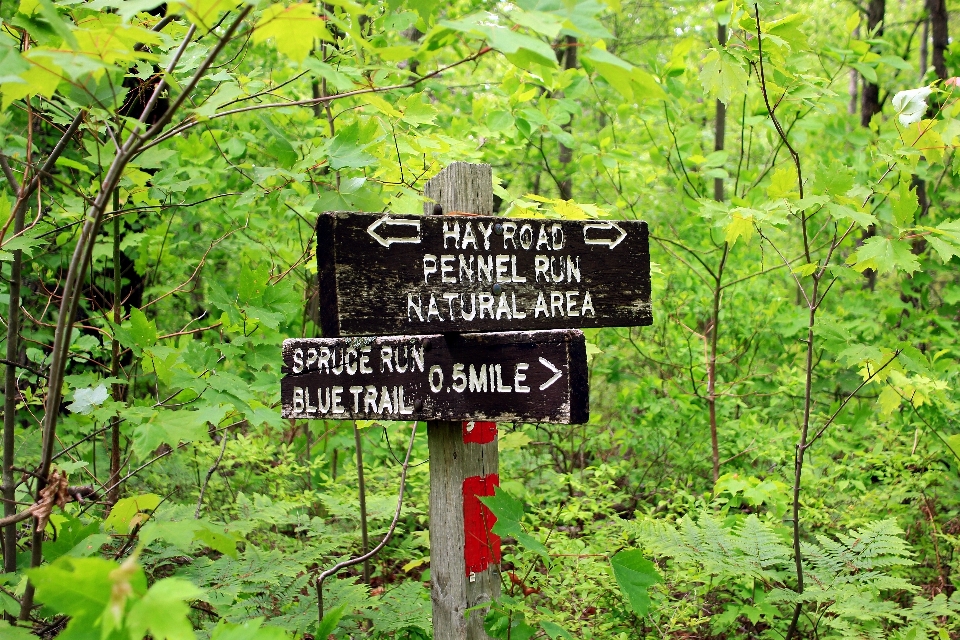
529,376
389,274
530,282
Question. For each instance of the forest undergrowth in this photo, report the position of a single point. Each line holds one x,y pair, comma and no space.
777,456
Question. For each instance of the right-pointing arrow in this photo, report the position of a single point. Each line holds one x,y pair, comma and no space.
556,373
603,226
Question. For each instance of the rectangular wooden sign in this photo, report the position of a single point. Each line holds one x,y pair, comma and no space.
529,376
385,273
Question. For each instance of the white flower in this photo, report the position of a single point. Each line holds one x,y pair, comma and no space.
911,104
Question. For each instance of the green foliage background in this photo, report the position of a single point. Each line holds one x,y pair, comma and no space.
812,307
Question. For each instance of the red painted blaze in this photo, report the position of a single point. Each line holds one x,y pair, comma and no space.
479,432
481,545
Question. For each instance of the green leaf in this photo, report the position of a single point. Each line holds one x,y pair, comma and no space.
945,238
513,441
173,427
851,22
417,112
866,70
592,348
538,21
632,82
163,612
954,443
504,506
73,164
529,542
179,533
554,631
905,206
129,512
137,332
519,48
217,540
805,269
280,146
896,62
889,401
293,28
783,183
346,152
842,212
884,255
723,76
499,120
92,591
329,622
635,574
721,12
739,226
23,242
70,533
9,632
253,630
788,31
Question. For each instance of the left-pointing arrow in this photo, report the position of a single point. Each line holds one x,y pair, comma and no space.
556,373
380,226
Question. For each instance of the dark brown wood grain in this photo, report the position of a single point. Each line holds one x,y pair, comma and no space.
530,376
392,274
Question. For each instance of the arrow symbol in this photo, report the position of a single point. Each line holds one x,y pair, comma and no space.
556,373
385,221
604,226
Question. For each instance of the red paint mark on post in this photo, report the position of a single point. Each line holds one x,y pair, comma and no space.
479,432
481,545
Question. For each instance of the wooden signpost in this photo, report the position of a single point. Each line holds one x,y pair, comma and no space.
527,284
530,376
382,273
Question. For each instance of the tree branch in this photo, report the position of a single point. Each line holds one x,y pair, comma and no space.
8,173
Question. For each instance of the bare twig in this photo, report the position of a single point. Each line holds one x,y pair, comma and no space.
189,124
340,566
191,331
850,397
22,366
212,470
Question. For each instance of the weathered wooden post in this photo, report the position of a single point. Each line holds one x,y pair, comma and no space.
464,463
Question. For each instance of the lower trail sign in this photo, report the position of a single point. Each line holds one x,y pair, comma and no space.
529,376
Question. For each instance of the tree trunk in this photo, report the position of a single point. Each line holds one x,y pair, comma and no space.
11,391
870,99
362,488
924,48
569,61
854,82
939,19
720,124
719,131
869,107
